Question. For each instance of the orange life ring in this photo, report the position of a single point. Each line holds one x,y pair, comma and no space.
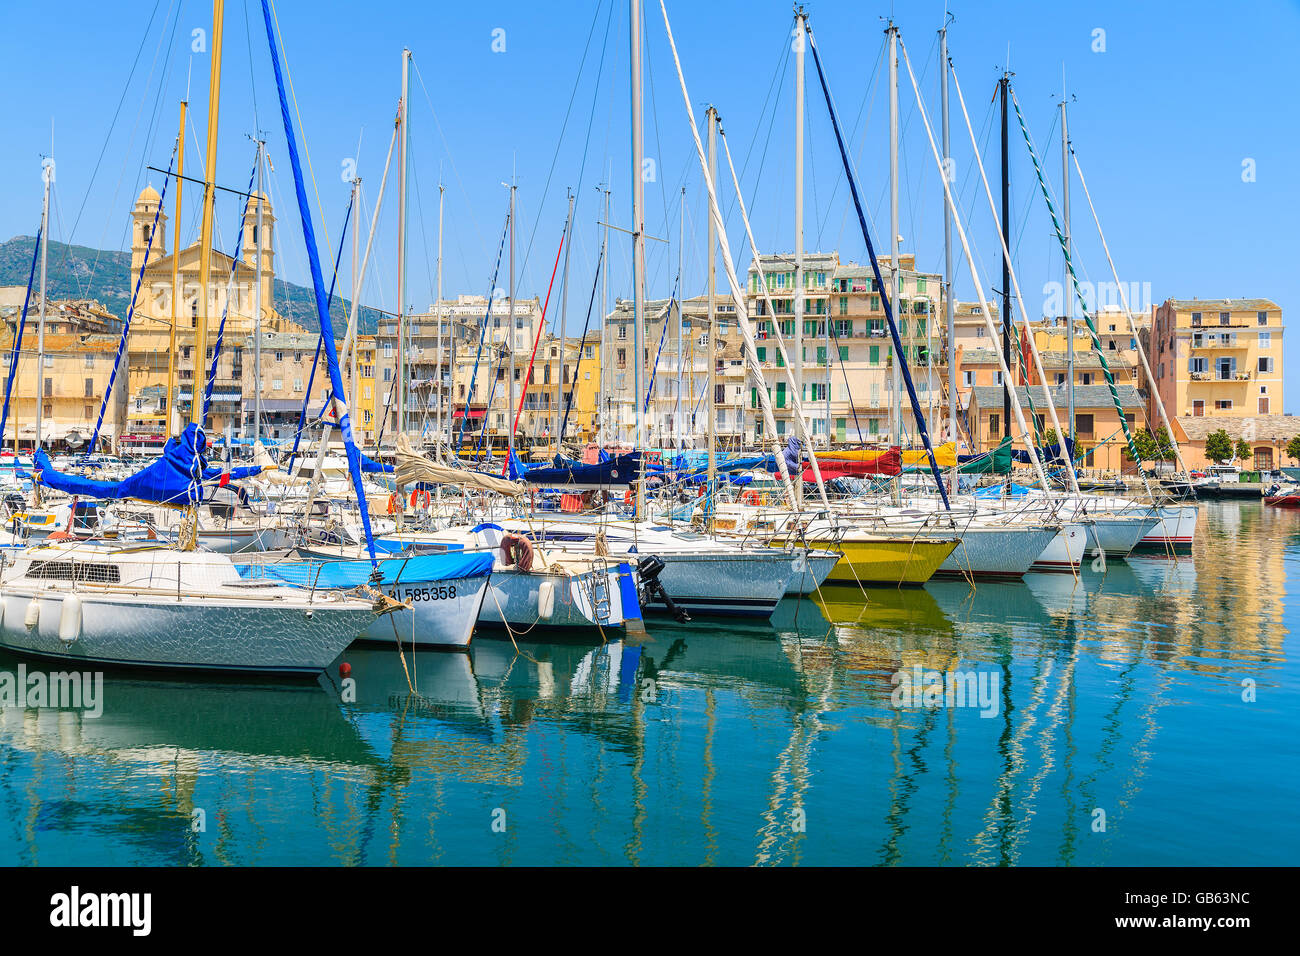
750,497
394,500
421,494
517,550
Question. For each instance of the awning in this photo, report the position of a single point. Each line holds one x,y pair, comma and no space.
473,413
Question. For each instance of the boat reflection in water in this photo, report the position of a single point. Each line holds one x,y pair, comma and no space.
775,742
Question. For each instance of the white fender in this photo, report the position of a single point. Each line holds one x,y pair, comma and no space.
546,600
70,619
33,615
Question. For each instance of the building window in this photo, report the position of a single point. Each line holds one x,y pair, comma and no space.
1198,408
1196,318
1266,340
1085,378
1224,318
1261,318
993,425
1265,364
967,378
1263,405
279,356
1223,404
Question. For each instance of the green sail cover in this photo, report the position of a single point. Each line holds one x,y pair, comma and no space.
995,462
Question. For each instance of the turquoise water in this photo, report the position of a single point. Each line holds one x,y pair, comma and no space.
711,744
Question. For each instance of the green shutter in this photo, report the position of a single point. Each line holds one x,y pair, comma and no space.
780,394
762,353
844,353
875,355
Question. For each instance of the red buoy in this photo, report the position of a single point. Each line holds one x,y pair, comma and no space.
345,669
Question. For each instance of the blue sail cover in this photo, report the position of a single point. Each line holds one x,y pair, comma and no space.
420,569
178,477
619,470
372,467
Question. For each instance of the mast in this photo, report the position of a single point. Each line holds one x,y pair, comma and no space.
205,229
47,176
401,244
711,117
564,314
510,337
439,316
257,294
1069,303
678,429
604,315
947,255
799,46
638,246
356,289
1006,263
895,281
173,419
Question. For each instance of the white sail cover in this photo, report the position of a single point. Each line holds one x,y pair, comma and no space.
411,467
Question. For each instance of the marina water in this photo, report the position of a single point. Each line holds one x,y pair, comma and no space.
1141,715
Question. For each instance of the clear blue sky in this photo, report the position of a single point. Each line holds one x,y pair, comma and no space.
1162,120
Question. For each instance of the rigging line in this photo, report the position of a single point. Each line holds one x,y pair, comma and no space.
293,94
661,252
252,80
591,116
424,238
450,158
127,154
758,180
1026,203
573,95
113,122
777,83
867,105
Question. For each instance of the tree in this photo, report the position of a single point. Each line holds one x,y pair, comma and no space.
1164,445
1049,438
1145,444
1218,446
1293,448
1243,449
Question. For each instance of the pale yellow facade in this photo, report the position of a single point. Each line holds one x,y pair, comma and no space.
1219,357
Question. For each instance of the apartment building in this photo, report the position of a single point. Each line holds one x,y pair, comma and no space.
1220,357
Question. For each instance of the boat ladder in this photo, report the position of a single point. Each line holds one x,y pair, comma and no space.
600,604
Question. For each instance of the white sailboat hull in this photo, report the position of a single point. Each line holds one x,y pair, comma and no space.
1064,552
811,570
586,600
987,552
258,635
1176,529
442,614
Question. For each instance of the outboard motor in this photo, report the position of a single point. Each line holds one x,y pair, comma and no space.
648,570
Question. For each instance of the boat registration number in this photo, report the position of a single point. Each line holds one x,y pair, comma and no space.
432,593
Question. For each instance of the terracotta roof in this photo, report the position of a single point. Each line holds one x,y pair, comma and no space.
1085,396
1263,427
1222,305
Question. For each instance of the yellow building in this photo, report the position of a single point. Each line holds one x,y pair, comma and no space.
1220,357
149,339
73,380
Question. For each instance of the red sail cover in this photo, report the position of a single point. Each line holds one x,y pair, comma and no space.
888,462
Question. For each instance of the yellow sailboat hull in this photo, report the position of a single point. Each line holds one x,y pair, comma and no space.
888,561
